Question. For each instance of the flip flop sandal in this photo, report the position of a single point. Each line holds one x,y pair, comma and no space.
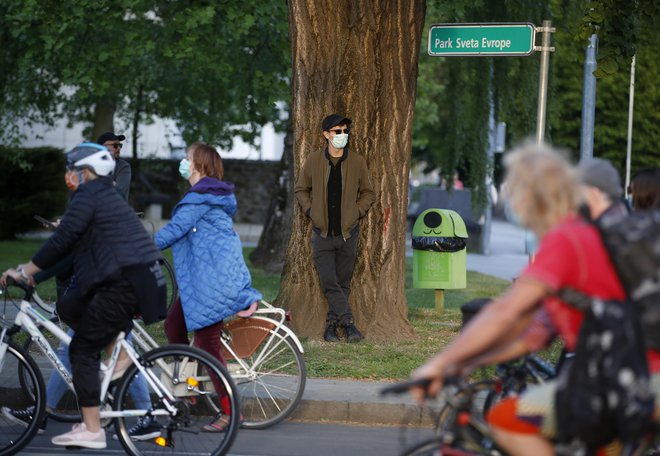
219,424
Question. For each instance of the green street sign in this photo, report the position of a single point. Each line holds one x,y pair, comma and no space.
505,39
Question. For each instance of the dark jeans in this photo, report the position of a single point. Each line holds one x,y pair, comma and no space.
334,258
96,318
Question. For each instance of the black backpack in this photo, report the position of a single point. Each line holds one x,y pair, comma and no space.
633,244
604,393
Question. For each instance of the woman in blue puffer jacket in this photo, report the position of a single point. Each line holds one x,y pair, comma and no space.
214,282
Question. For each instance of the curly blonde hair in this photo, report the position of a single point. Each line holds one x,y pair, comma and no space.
541,186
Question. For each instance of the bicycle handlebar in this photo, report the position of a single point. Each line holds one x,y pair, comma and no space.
402,387
28,289
424,383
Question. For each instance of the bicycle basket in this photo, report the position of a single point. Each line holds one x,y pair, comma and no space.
246,336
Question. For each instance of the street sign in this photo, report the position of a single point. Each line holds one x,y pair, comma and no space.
482,40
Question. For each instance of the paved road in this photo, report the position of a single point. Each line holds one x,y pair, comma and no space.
285,439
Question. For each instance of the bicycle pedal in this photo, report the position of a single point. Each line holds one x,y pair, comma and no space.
73,447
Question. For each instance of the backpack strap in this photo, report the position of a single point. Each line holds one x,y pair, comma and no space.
575,298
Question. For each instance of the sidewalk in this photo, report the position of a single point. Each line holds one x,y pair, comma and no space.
358,402
506,260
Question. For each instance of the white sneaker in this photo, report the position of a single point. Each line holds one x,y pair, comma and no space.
79,436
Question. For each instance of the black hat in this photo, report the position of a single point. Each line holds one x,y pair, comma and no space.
109,136
333,120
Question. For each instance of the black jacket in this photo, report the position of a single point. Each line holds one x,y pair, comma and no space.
104,234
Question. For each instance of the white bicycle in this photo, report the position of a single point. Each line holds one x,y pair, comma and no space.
179,379
264,358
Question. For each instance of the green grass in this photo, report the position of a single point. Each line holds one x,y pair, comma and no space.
367,360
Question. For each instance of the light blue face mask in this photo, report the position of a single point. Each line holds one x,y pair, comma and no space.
184,168
339,141
511,216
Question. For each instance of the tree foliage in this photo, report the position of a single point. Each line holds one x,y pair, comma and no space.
619,22
451,122
208,65
451,113
612,97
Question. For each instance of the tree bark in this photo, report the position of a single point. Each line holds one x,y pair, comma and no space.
359,60
104,115
270,252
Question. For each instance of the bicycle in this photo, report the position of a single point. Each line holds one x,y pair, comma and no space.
264,358
467,433
179,378
170,277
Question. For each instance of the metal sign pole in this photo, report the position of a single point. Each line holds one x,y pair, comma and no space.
545,50
631,103
589,100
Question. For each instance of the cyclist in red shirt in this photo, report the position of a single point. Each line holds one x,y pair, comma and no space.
544,192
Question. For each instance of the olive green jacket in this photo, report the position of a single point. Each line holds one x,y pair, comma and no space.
357,194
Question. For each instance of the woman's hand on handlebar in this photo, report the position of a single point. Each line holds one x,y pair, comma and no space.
10,273
23,273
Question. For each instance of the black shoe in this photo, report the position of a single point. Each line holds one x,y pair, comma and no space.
146,428
23,417
352,333
331,333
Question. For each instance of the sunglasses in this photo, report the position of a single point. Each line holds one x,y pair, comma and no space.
338,132
116,145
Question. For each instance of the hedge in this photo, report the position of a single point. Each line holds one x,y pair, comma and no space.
33,184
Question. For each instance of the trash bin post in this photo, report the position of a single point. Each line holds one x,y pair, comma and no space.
439,241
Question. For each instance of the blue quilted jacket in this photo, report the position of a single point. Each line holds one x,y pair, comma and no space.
213,280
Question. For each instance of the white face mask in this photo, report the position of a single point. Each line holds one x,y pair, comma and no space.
339,141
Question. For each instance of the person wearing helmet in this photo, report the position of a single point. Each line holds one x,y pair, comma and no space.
117,274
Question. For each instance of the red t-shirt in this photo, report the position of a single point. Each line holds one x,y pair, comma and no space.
572,255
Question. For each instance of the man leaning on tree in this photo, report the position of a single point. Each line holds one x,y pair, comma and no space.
334,189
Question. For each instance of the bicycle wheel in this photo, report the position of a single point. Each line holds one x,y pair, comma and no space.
172,287
15,433
430,447
270,373
185,371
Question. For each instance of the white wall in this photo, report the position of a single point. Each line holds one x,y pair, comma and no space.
160,139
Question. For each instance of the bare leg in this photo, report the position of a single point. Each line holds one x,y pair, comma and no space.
92,418
522,444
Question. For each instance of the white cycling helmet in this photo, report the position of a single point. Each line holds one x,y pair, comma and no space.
92,156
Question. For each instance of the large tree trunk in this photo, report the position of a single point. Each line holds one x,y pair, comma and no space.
359,59
269,254
104,115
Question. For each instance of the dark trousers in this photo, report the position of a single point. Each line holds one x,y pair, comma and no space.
208,339
96,318
334,258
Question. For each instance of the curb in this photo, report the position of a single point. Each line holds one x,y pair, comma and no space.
358,402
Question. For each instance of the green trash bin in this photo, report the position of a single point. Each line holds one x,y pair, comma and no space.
439,240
